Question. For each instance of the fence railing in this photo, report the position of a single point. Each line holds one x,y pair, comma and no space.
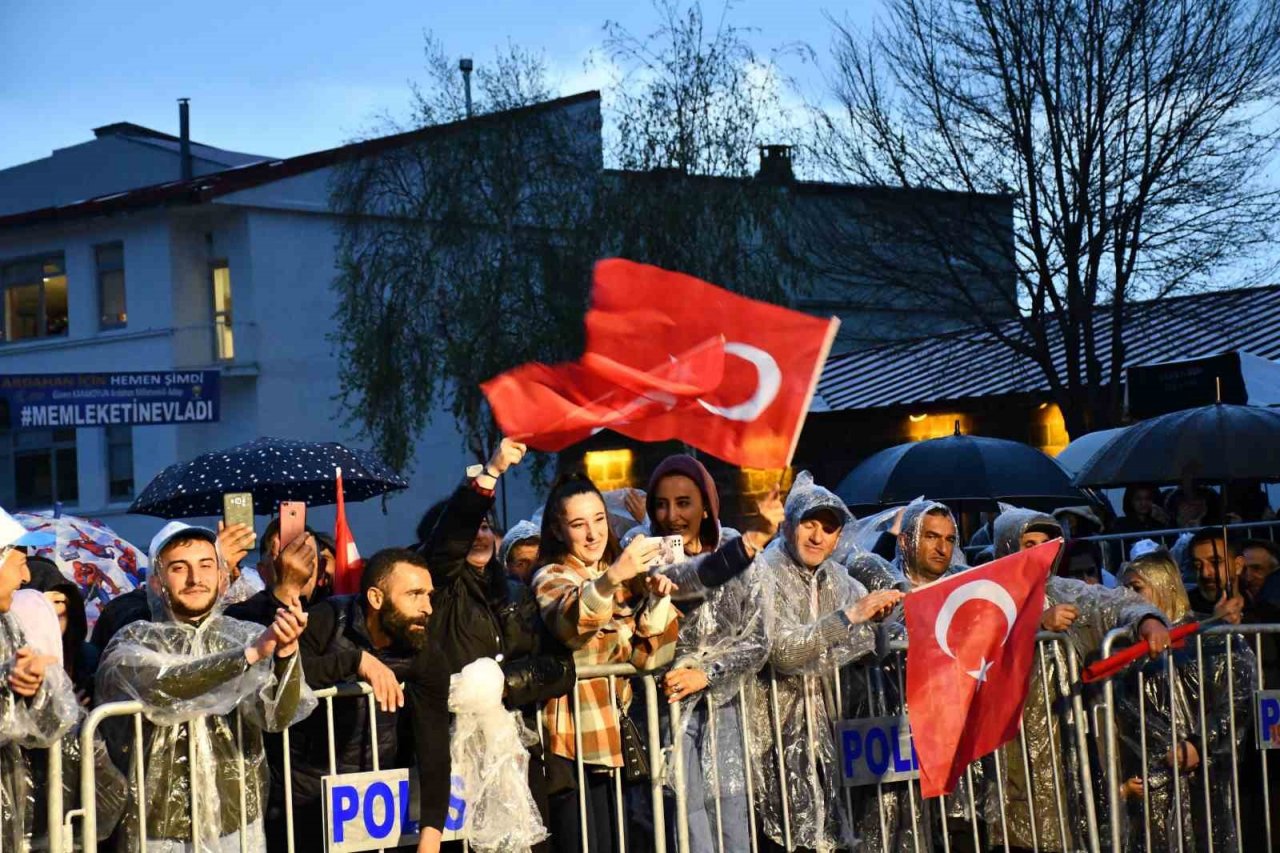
1058,786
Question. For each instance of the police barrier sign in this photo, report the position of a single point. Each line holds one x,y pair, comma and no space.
1268,716
876,750
370,811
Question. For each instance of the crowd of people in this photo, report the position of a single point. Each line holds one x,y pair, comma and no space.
747,633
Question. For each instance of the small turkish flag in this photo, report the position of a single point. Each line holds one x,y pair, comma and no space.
671,356
972,641
349,565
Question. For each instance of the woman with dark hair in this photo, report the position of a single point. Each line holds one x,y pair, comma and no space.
1142,510
722,642
600,601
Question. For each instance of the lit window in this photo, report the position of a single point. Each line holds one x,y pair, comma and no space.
120,462
925,426
34,298
111,301
609,469
223,329
1050,429
38,468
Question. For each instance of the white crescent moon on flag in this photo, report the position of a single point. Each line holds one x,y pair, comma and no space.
985,590
768,383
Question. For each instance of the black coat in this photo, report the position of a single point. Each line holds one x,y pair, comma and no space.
475,616
335,638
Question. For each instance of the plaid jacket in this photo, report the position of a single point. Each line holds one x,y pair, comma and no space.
623,629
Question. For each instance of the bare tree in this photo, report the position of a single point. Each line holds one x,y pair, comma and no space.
464,249
685,121
1129,138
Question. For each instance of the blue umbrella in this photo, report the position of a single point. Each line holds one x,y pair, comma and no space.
273,470
960,469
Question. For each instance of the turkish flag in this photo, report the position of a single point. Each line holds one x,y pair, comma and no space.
648,372
550,407
346,579
972,642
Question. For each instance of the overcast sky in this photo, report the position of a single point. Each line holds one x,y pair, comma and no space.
284,77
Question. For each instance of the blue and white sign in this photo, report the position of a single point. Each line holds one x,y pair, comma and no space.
1268,716
876,750
53,400
370,811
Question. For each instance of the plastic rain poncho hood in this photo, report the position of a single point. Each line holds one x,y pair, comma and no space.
520,532
197,674
912,521
810,637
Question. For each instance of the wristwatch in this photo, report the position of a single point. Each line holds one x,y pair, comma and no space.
474,471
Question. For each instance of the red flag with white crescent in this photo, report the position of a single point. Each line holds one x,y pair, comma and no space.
972,642
669,356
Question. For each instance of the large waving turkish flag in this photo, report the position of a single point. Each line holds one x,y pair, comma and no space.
669,356
972,642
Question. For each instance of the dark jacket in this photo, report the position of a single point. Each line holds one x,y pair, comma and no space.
132,606
473,615
331,647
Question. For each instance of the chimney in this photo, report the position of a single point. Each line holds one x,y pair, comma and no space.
465,66
184,136
775,164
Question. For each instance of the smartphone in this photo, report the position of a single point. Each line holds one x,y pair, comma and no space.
237,508
670,550
293,521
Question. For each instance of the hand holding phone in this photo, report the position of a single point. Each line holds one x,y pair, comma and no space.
670,550
237,508
293,522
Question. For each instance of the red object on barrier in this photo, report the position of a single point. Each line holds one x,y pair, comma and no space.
648,326
346,579
1107,667
973,641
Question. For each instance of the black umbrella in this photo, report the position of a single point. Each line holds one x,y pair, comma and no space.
961,469
274,470
1218,443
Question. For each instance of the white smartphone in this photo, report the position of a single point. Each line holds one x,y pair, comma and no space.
670,550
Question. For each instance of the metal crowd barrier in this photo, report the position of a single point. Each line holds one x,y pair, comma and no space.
1240,713
1083,749
1115,546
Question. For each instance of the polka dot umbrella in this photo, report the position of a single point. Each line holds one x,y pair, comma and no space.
274,470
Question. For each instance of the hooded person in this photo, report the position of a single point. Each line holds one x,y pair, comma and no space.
37,702
1084,614
926,543
820,620
722,643
209,686
1146,694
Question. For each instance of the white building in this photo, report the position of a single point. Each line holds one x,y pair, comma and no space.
110,261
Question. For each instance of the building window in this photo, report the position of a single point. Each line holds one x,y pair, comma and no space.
34,298
110,262
926,426
1049,433
609,469
38,468
223,334
120,462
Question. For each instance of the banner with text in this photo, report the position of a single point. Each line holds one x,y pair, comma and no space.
59,400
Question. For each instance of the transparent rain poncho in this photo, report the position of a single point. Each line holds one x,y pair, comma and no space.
205,709
27,724
1145,693
1059,806
521,531
488,753
810,637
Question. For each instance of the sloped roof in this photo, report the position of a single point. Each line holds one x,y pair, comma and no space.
206,187
972,363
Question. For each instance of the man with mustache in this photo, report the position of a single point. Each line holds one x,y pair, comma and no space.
380,636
